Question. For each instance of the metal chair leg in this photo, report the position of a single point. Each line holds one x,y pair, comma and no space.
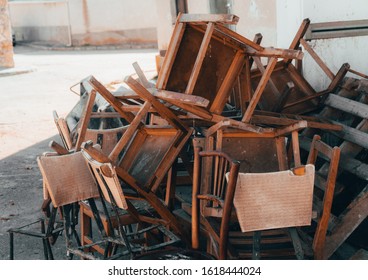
256,255
11,243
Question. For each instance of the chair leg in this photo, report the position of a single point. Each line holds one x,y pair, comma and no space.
296,243
256,254
11,245
44,241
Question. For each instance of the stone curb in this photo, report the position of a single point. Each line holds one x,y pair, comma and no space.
15,71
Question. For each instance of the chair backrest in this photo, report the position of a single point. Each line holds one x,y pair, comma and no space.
322,150
108,181
64,131
218,200
274,199
67,178
106,138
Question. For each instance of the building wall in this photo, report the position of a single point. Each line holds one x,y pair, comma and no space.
334,52
85,22
6,46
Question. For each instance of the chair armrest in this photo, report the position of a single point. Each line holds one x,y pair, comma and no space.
211,197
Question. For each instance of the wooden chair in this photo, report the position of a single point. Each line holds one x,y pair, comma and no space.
203,49
315,242
215,214
287,91
223,223
106,138
150,233
144,154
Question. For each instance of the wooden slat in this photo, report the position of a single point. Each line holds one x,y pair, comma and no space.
260,88
124,140
220,18
180,97
200,57
170,55
300,33
228,82
262,69
347,105
352,217
317,59
141,75
84,120
161,109
347,163
337,29
352,135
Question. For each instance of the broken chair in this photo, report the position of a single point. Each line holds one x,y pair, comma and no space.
147,231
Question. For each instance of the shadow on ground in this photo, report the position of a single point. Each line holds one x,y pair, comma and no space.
20,202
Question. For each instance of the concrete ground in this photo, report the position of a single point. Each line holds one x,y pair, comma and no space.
26,125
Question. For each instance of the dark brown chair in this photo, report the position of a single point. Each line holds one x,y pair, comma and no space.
215,213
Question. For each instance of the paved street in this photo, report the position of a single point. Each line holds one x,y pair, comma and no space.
26,124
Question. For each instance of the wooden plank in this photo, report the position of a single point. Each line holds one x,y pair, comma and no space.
352,135
290,128
239,38
348,221
296,149
84,120
361,254
358,73
262,69
339,76
317,59
222,94
124,140
238,125
141,76
161,109
260,88
275,52
180,97
299,34
347,105
220,18
347,163
337,29
200,57
91,83
284,97
170,55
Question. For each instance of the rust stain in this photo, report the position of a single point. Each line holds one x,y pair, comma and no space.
86,15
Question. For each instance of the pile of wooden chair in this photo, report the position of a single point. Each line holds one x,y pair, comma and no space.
219,156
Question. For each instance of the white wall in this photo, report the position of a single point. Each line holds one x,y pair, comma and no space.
335,52
93,22
198,6
40,21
